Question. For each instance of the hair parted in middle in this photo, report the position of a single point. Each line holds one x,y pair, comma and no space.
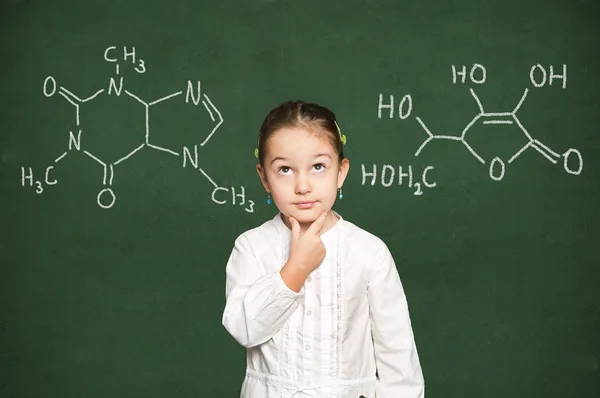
300,114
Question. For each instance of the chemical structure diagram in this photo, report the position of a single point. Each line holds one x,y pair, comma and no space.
497,166
106,198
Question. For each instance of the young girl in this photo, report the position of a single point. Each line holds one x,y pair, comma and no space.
316,300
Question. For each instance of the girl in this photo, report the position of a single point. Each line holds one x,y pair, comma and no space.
316,300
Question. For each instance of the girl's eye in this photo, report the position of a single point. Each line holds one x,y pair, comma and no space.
284,170
319,167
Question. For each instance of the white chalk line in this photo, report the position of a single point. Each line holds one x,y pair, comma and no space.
93,96
165,98
61,88
520,102
468,126
218,124
447,137
497,122
423,145
74,104
546,148
423,126
481,111
147,124
522,128
473,152
130,154
433,137
136,98
112,174
163,149
208,178
95,158
61,157
543,153
208,110
497,114
516,155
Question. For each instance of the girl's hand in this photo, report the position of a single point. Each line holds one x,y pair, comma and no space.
307,249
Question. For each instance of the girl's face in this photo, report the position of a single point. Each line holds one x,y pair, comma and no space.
302,171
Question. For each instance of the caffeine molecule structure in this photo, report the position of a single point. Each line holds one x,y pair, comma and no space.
497,166
106,198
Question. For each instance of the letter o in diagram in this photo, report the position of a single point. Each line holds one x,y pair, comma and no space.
493,175
112,200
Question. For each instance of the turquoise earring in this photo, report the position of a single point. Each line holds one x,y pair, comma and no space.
340,191
269,198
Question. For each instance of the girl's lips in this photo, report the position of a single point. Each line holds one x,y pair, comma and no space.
304,205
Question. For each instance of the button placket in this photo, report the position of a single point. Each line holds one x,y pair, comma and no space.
308,328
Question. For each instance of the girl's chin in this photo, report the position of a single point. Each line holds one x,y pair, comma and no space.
306,216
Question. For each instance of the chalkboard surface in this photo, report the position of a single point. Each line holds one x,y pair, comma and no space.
127,132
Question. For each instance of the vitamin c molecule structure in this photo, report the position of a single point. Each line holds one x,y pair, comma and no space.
497,166
106,197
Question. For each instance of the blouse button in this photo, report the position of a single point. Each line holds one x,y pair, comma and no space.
309,312
309,279
307,347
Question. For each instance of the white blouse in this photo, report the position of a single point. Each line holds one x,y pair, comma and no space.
349,320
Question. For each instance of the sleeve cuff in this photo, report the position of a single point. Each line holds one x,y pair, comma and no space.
285,290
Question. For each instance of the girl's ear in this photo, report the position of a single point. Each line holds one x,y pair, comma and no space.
263,177
343,172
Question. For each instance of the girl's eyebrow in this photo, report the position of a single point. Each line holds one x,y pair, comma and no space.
278,158
323,154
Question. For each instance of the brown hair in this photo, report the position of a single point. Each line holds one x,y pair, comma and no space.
292,114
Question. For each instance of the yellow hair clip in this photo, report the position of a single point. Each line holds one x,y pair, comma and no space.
342,136
256,153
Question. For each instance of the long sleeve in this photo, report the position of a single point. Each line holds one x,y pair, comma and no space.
398,368
258,302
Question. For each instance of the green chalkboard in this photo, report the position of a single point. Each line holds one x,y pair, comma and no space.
127,135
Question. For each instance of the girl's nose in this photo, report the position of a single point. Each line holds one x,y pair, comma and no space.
302,185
